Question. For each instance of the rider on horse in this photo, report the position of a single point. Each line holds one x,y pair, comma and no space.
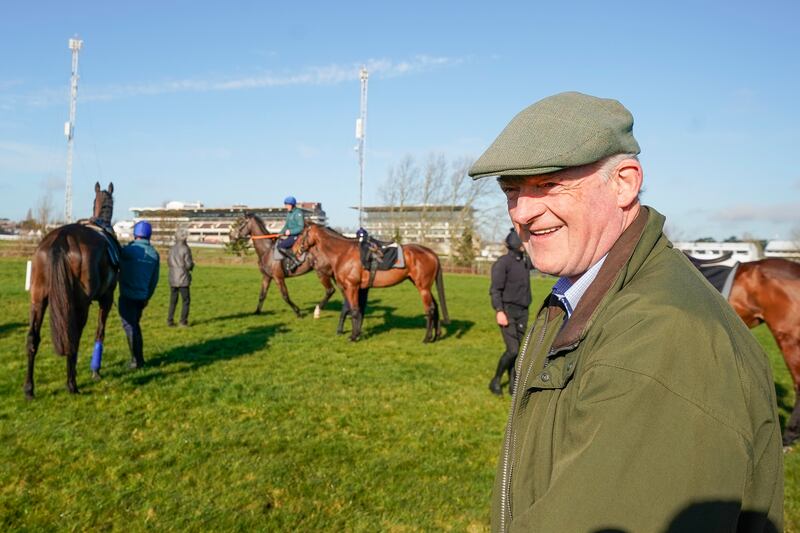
290,230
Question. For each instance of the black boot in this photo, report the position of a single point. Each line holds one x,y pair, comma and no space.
291,260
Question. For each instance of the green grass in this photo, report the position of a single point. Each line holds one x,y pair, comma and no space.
267,422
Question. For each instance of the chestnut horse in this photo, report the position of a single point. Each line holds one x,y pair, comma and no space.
73,266
271,268
768,291
422,268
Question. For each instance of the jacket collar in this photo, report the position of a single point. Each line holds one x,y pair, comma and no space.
623,261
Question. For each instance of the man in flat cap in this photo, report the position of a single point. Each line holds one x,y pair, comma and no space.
642,401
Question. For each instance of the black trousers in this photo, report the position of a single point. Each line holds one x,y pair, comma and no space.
513,335
173,302
130,311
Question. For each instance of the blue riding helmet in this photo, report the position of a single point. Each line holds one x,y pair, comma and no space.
361,234
143,229
290,200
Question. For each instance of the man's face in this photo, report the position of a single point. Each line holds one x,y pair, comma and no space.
567,220
288,206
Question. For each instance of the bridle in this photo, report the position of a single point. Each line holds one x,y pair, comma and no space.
246,223
301,248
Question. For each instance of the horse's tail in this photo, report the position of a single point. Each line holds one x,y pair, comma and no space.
63,319
440,291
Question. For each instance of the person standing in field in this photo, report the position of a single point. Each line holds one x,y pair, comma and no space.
510,291
138,277
643,403
180,278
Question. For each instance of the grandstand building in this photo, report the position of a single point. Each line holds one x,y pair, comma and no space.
435,226
212,225
785,249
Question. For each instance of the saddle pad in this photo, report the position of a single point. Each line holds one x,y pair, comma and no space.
720,277
392,257
113,246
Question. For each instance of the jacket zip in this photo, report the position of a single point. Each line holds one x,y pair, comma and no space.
505,506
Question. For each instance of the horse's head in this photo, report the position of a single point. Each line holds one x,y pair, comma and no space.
103,207
240,229
306,240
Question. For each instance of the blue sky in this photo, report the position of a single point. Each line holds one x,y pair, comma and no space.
246,102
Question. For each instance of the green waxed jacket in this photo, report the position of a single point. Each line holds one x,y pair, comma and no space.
294,222
652,409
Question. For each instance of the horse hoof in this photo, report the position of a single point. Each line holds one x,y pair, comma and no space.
29,394
787,449
257,312
96,375
316,312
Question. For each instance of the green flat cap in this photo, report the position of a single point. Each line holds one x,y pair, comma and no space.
564,130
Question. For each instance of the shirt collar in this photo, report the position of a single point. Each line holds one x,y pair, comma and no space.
569,293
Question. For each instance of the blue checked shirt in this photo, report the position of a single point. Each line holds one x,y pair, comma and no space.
569,294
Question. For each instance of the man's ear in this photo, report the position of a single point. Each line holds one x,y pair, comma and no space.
627,176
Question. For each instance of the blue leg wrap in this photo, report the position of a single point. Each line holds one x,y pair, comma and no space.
97,356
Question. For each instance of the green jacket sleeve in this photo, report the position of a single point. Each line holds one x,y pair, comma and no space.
637,456
294,222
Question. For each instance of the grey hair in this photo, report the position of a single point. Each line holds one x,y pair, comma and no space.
607,165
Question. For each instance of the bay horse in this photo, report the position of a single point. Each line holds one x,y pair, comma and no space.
768,291
73,266
270,265
422,268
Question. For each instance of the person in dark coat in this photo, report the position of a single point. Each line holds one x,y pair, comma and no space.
138,277
180,278
511,296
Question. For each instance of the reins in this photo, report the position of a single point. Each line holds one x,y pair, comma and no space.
268,236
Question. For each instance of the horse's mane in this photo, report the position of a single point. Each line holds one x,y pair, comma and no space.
258,220
330,231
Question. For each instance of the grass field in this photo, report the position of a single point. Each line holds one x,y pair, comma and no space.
246,422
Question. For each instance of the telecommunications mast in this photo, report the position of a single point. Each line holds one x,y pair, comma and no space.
69,127
361,135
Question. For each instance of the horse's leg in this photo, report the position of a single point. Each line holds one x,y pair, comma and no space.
82,312
265,281
285,294
351,294
790,347
38,307
329,290
342,316
430,310
100,334
437,328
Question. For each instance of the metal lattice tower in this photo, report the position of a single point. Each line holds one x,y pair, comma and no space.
69,127
361,135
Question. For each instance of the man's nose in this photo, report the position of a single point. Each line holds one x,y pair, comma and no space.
526,208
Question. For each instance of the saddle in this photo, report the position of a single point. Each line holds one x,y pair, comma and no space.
720,276
380,255
107,232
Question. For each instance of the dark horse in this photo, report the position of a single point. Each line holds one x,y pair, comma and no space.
768,291
422,268
270,264
71,267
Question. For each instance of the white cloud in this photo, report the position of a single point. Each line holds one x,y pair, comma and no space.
316,75
776,213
